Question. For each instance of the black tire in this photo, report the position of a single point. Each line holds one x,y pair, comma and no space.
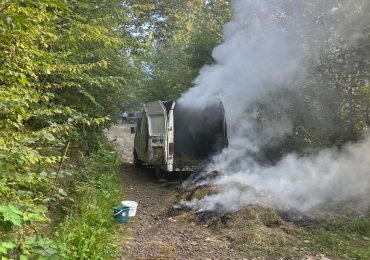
137,162
159,173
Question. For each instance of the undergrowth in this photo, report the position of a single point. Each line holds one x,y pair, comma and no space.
344,239
89,231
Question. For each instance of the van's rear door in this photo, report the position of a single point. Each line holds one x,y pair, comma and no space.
157,124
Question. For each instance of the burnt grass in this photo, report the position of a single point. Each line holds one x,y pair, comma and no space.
262,231
258,231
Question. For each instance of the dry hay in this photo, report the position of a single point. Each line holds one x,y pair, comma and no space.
258,235
202,191
255,214
199,192
259,231
258,228
188,216
184,211
260,240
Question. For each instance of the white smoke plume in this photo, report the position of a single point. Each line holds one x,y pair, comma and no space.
303,183
268,45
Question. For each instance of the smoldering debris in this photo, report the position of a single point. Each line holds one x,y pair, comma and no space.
301,183
200,191
205,177
303,220
206,217
260,229
194,192
255,226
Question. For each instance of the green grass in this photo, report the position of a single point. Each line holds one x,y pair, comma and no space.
89,231
344,239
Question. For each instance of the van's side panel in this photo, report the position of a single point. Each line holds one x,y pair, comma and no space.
141,138
144,136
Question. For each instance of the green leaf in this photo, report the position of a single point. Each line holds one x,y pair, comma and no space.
42,246
5,246
23,80
47,70
49,137
3,250
34,216
62,192
40,209
12,214
8,245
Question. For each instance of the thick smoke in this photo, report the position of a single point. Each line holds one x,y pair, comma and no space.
303,183
269,45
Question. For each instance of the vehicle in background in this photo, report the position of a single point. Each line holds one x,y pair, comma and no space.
172,137
132,117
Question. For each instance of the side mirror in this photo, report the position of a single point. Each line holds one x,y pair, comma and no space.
132,129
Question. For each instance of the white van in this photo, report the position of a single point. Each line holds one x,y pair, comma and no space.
172,137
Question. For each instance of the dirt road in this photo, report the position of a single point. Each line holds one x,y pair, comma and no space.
153,233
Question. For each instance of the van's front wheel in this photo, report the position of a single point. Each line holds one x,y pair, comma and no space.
159,173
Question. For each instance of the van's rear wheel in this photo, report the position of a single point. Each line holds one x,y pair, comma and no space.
137,162
159,173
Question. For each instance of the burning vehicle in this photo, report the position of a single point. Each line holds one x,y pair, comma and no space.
172,137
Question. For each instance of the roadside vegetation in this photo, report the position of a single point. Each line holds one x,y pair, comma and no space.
62,75
342,238
89,231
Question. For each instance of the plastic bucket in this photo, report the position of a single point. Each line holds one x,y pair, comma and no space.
132,205
121,214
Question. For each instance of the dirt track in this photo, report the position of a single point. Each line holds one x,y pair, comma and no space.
153,234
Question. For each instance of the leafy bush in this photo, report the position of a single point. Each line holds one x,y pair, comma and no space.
89,231
62,67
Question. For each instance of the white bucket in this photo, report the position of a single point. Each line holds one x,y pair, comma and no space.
132,205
